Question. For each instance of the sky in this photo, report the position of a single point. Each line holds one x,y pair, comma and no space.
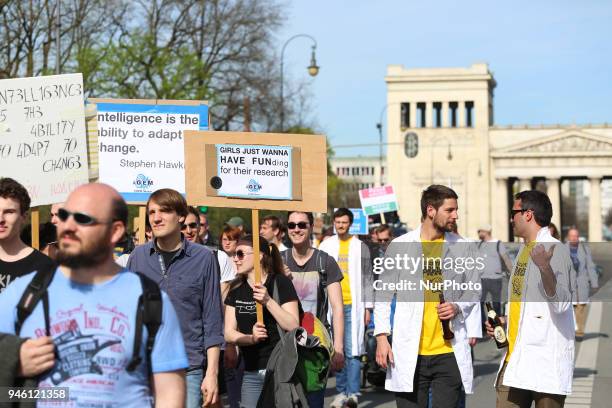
551,59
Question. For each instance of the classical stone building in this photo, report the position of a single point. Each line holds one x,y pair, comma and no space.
449,111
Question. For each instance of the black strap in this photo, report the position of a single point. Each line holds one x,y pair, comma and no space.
149,315
276,297
34,292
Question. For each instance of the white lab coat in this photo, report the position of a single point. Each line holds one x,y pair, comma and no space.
543,355
408,319
360,273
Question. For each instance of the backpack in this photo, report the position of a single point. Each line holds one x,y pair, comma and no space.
149,312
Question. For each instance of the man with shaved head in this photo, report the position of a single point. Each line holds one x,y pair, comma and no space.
90,314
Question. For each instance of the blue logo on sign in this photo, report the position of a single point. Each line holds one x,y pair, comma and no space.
143,183
253,186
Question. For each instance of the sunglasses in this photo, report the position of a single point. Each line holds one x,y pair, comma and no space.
300,225
79,217
192,225
384,241
240,254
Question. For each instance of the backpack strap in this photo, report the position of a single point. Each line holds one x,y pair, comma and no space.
322,283
276,297
34,292
149,315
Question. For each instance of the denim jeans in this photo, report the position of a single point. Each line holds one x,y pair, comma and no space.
193,398
348,380
252,384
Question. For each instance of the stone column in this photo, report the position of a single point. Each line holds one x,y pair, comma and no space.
595,223
429,115
461,114
524,184
553,192
445,113
413,115
501,215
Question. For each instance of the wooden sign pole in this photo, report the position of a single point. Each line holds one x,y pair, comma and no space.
382,219
35,223
256,263
142,223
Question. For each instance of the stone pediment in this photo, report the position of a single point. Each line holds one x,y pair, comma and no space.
571,142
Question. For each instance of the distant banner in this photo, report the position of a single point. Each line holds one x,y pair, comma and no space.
141,147
360,222
377,200
42,135
254,171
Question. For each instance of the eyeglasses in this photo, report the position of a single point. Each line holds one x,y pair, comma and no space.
192,225
522,210
300,225
240,254
79,217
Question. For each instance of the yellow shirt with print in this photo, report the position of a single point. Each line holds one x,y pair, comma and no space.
516,295
343,262
432,341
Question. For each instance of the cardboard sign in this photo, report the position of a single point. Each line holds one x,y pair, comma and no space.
254,171
141,145
42,135
360,222
294,165
377,200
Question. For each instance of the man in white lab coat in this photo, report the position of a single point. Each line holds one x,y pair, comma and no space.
539,364
421,356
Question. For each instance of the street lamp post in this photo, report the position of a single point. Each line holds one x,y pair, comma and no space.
313,70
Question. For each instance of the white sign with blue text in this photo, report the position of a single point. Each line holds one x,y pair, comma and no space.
142,148
254,171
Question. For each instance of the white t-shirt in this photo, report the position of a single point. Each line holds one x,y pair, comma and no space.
491,251
226,265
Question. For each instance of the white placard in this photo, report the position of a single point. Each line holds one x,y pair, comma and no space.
141,146
254,171
42,135
377,200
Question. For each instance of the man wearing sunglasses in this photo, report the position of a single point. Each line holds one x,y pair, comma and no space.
539,363
316,278
90,309
189,274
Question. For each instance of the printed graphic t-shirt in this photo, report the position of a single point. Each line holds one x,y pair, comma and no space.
517,283
9,271
241,298
305,279
343,263
432,336
93,330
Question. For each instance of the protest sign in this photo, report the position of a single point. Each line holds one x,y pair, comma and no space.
300,186
42,135
378,200
141,144
254,171
360,222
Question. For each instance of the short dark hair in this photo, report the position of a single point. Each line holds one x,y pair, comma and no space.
10,188
119,210
435,195
308,215
169,199
539,203
274,220
383,228
341,212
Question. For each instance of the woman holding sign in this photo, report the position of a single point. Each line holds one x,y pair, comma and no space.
257,340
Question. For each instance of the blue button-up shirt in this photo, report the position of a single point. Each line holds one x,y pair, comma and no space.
192,283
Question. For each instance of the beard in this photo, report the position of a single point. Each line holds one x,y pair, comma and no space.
89,255
443,226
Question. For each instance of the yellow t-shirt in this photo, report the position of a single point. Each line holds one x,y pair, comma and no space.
343,262
432,337
516,294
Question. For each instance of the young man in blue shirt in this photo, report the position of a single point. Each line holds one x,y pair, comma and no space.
189,274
